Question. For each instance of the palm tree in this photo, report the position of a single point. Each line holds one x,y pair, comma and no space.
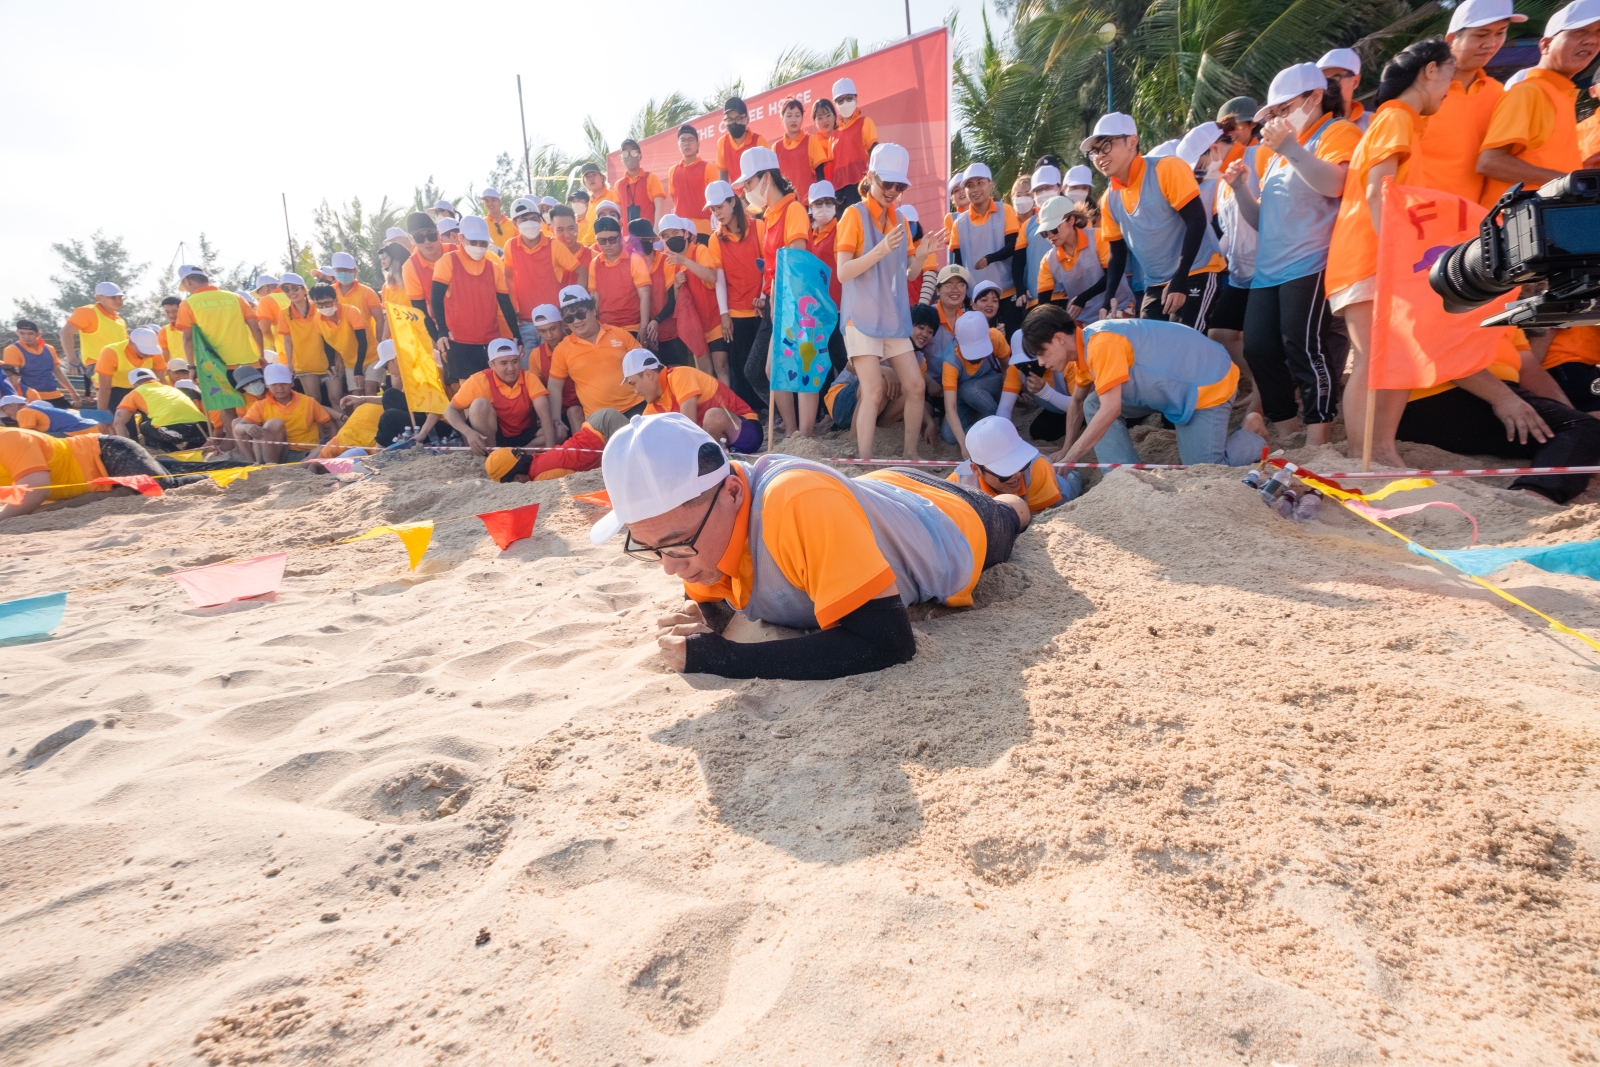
671,111
721,94
797,62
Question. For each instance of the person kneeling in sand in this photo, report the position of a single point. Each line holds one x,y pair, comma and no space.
279,426
580,452
795,544
697,395
503,406
1002,462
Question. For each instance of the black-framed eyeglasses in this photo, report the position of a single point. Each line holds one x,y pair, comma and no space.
608,240
1100,148
676,550
574,314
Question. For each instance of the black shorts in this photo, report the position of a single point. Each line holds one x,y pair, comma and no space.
674,353
1000,523
519,440
179,437
1202,291
464,361
1227,313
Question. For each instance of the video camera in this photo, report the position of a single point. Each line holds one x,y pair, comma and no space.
1552,235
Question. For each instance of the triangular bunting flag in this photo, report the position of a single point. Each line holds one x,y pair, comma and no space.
510,526
31,616
601,499
416,536
209,586
142,482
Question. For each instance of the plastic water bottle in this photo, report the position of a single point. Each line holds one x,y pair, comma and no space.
1286,503
1308,506
1252,478
1276,486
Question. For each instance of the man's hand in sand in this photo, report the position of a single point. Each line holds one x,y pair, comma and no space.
675,630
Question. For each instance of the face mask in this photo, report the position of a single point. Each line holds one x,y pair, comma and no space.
754,197
1300,118
328,312
344,277
530,230
1023,204
1044,196
677,244
736,131
1078,196
821,213
846,109
475,252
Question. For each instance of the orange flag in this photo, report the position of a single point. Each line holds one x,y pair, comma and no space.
1415,342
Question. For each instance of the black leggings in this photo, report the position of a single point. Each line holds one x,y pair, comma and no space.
744,336
755,363
1290,343
1457,421
123,457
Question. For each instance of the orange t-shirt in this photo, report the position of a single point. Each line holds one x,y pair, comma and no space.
1042,490
15,356
339,332
1575,344
69,461
301,417
595,369
1537,118
680,383
640,192
418,275
848,236
1395,132
107,363
476,387
616,287
1454,137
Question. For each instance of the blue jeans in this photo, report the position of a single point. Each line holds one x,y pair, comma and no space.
1203,439
529,333
977,397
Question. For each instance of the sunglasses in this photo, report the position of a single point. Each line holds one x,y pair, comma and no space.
894,187
676,550
425,236
572,315
608,240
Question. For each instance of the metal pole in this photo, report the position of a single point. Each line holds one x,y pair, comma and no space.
286,231
527,165
1110,105
908,18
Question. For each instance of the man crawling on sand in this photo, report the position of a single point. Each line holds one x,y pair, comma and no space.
796,544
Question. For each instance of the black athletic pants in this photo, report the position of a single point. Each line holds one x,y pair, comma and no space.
744,336
1581,383
1457,421
1290,344
1202,291
755,363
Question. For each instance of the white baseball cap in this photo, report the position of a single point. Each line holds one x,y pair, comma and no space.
654,464
1290,82
985,286
892,163
449,224
956,181
908,213
1111,124
844,87
291,278
107,289
491,191
976,170
16,398
386,352
1046,175
1198,141
184,270
993,442
474,228
1079,175
444,205
753,161
718,192
1343,58
1053,212
502,346
522,205
573,294
972,336
1165,148
344,261
278,374
145,340
546,315
139,375
394,233
548,201
822,191
265,279
1473,13
638,359
1575,15
673,222
177,363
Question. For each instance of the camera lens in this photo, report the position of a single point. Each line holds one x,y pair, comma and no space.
1462,281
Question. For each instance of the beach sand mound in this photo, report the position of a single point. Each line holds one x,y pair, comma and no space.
1193,783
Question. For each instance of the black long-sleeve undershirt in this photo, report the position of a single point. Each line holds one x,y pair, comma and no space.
1194,217
669,307
427,318
874,636
440,288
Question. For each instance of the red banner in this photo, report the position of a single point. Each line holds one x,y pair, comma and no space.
904,89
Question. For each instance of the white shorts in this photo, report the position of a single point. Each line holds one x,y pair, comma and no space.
857,343
1354,293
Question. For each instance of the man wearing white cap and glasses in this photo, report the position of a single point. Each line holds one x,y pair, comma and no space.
1163,224
90,328
502,406
1343,65
796,544
471,302
1533,132
851,143
986,239
590,357
1454,134
875,261
501,228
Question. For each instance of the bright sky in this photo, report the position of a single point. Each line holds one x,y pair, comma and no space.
159,120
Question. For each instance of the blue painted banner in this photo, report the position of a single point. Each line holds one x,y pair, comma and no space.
803,318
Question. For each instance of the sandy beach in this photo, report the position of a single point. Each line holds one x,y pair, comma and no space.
1193,784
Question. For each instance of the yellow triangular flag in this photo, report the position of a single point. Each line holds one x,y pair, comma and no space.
1399,487
225,478
416,536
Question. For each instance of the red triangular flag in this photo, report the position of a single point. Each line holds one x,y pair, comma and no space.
142,482
13,494
510,525
600,499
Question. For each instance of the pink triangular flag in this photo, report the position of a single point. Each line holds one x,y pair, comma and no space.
209,586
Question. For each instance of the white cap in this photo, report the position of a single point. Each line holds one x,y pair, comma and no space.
651,466
523,205
909,213
491,191
1198,141
1165,148
1482,13
444,205
717,192
891,163
177,363
265,279
1111,124
278,374
638,359
1046,175
1517,77
993,443
1343,58
139,375
972,336
957,180
1292,81
1053,212
673,222
546,315
267,354
385,352
822,191
184,270
1019,354
145,340
15,398
1079,175
1576,14
548,201
844,87
107,289
451,225
985,286
607,207
502,346
753,161
573,294
291,278
344,261
394,233
976,170
474,228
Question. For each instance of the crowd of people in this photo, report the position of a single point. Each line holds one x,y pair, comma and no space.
1223,281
